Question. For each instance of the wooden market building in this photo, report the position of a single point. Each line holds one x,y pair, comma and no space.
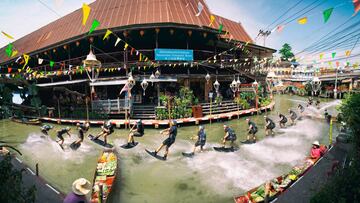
142,26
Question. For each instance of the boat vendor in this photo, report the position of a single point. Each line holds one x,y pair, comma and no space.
82,129
293,116
136,131
317,151
106,130
45,128
201,139
269,126
252,130
283,120
229,135
171,132
60,134
80,188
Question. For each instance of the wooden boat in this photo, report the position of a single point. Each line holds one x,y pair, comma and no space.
277,185
104,177
26,121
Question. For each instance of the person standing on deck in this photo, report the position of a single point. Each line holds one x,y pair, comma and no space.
269,126
229,136
83,128
136,131
60,134
293,116
283,120
171,132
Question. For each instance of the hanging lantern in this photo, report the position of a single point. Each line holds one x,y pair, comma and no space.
130,81
233,86
152,78
207,78
77,43
216,85
189,33
316,84
144,85
157,74
157,30
238,83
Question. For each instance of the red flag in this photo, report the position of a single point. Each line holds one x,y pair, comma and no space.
337,63
9,69
280,28
132,51
356,6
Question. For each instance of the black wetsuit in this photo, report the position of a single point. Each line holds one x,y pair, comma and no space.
61,133
271,124
109,127
301,108
201,138
231,134
253,129
283,119
293,115
45,129
172,136
139,130
82,129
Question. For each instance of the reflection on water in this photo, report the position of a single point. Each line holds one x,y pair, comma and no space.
208,177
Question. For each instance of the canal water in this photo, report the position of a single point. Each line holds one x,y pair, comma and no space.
208,177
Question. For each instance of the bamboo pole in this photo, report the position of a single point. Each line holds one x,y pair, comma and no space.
59,121
330,131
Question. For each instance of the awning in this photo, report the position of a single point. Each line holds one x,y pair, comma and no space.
162,80
68,82
108,82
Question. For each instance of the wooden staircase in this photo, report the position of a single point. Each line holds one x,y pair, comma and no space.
143,111
223,107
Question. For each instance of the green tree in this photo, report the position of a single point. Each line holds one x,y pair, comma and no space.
11,187
286,53
345,186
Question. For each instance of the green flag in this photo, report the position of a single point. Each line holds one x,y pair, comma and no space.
220,28
333,54
327,14
52,64
94,25
9,49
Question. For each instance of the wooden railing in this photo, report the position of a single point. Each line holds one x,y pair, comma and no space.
113,106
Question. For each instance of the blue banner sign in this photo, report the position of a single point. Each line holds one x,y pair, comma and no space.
174,55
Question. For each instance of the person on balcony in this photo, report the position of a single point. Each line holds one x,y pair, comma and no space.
45,129
252,130
283,120
269,126
229,136
82,129
171,133
106,130
136,131
60,134
293,116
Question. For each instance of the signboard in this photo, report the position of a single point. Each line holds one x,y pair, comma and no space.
174,55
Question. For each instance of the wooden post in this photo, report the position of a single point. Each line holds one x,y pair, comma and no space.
37,169
59,121
87,109
330,132
210,108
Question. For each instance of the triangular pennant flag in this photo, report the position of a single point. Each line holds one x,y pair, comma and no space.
137,53
347,53
9,69
280,28
117,41
40,61
132,51
321,56
356,6
126,46
327,14
302,21
26,58
221,28
94,25
212,20
7,35
14,53
140,57
86,11
337,63
333,54
52,64
200,8
108,32
9,49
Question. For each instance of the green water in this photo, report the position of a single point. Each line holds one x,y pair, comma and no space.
208,177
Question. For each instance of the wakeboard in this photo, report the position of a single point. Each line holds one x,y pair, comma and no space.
100,142
188,154
155,155
129,146
247,142
75,146
226,149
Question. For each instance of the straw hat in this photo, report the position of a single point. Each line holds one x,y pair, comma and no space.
81,186
316,143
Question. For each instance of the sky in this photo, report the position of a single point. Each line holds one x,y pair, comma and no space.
20,17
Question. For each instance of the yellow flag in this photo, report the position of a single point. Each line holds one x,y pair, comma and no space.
347,53
321,56
108,32
86,11
26,58
7,35
14,53
302,21
212,20
126,46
